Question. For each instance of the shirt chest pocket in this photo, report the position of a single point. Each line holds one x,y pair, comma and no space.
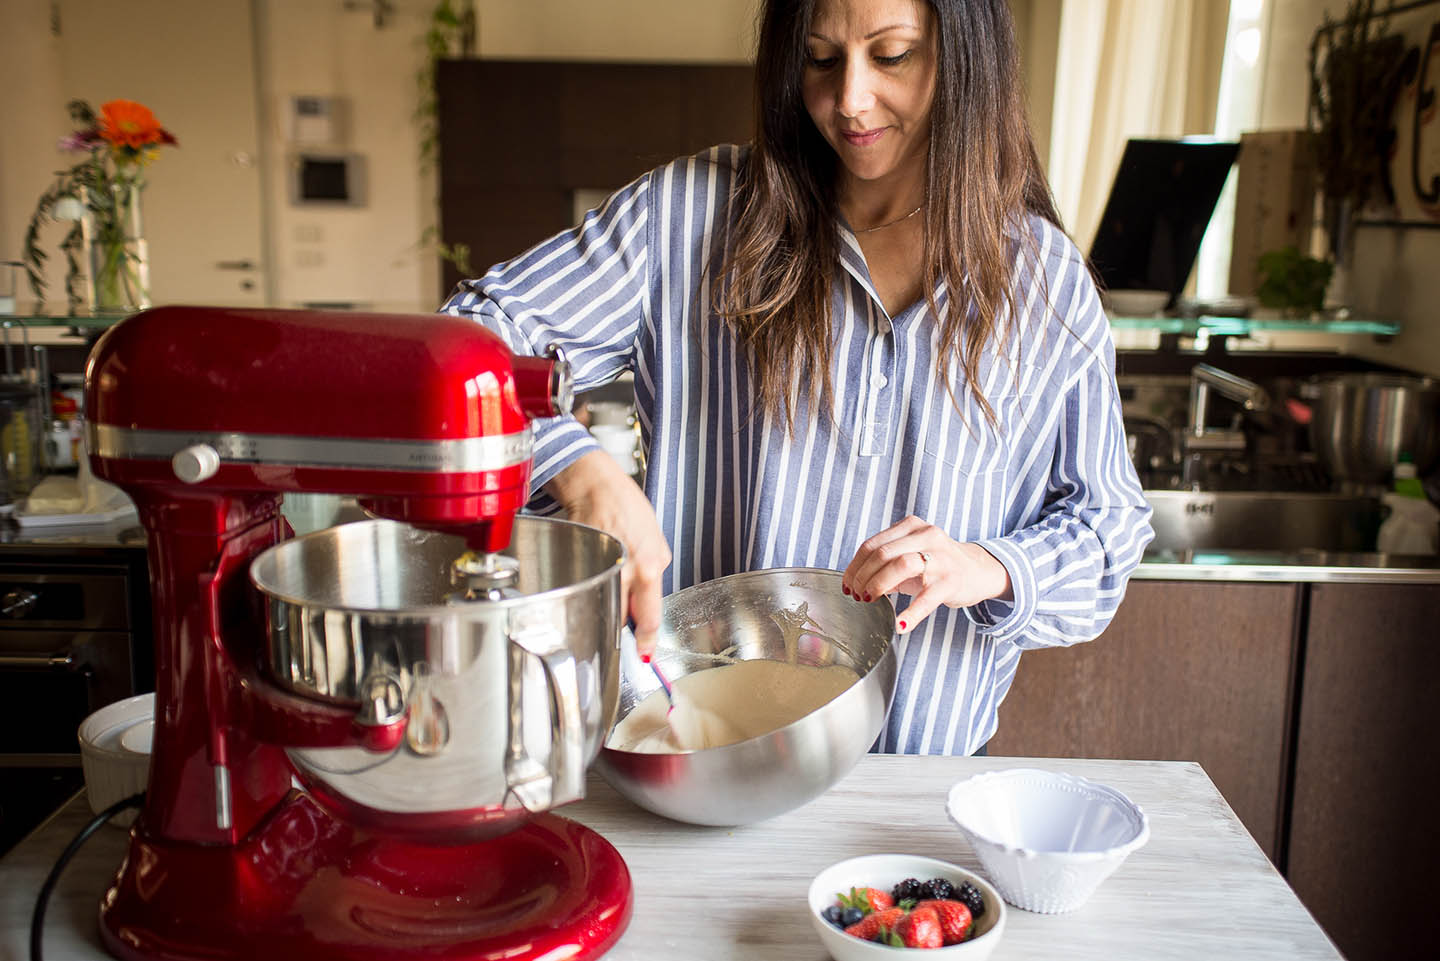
967,441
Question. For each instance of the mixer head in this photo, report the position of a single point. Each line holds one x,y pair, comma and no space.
424,418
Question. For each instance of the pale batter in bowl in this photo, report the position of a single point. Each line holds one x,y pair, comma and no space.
727,704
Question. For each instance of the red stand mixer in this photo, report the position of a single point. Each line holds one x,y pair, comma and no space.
436,679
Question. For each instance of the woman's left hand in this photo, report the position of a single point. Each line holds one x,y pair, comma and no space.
917,558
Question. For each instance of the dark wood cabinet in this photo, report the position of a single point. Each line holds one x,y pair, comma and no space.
1364,851
519,137
1188,670
1315,708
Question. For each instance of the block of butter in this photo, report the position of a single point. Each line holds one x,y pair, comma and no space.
56,494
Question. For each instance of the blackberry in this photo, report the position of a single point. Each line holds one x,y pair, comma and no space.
939,889
908,890
969,895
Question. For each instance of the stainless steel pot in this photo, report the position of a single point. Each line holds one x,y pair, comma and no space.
507,700
1361,423
795,614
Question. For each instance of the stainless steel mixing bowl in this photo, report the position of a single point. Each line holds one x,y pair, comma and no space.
1361,424
797,614
507,701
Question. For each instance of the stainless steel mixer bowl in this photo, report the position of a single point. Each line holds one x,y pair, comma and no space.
507,701
1361,423
795,614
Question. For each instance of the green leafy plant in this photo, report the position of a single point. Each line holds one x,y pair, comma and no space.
452,32
67,190
457,254
1292,281
1356,74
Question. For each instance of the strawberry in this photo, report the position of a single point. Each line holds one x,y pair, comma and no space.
921,929
878,900
866,899
955,920
867,927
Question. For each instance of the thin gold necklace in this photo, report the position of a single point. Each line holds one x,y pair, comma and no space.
892,222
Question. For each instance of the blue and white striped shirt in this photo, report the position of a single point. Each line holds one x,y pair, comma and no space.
1050,490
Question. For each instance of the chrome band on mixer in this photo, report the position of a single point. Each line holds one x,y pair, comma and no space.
465,455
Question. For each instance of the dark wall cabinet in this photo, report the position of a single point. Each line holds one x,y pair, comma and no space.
519,137
1314,707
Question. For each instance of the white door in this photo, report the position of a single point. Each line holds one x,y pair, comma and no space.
193,64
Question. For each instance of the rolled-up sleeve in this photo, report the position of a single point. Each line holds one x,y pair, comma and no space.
1069,569
586,291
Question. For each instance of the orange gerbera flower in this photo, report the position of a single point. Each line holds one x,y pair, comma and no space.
125,123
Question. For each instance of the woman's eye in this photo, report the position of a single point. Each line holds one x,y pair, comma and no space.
822,63
894,61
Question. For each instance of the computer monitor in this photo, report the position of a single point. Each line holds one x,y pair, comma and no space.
1160,203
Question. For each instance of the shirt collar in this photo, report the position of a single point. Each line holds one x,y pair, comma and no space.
852,258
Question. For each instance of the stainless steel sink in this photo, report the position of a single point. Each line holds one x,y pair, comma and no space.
1263,521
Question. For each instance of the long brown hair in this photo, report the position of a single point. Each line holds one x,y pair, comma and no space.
982,178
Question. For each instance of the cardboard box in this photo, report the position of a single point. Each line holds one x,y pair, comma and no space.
1275,185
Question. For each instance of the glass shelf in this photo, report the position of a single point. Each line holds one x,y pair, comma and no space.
1246,326
29,315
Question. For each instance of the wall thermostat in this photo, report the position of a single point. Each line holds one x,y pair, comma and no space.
315,120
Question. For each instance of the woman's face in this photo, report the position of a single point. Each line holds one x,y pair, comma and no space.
869,82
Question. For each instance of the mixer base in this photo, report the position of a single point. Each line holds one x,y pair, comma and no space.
305,885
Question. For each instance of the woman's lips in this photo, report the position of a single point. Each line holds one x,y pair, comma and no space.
862,138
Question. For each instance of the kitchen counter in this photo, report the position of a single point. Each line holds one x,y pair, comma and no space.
1289,567
1200,889
1197,565
72,540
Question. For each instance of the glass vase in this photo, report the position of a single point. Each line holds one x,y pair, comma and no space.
120,258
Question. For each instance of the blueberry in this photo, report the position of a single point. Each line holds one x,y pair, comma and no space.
851,916
832,914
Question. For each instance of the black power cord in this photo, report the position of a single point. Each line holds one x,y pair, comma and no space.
37,920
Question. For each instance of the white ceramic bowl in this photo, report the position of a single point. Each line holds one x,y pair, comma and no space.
1136,303
1047,840
884,871
115,753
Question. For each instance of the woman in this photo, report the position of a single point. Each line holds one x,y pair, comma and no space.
861,343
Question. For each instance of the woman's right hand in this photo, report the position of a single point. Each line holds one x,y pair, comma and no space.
596,491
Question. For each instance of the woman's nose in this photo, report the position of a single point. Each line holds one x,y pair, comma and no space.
857,93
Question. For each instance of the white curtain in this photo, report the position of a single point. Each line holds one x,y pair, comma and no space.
1127,68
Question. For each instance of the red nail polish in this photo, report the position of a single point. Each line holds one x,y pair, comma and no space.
845,589
645,658
902,625
867,598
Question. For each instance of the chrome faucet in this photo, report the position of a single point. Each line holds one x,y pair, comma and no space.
1204,378
1198,439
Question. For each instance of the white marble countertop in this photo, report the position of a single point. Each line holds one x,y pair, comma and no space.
1200,889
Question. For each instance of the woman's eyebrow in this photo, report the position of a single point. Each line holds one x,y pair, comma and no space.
869,36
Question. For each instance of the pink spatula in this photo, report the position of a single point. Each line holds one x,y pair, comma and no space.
688,724
664,681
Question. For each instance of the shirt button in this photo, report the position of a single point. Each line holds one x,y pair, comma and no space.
881,380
